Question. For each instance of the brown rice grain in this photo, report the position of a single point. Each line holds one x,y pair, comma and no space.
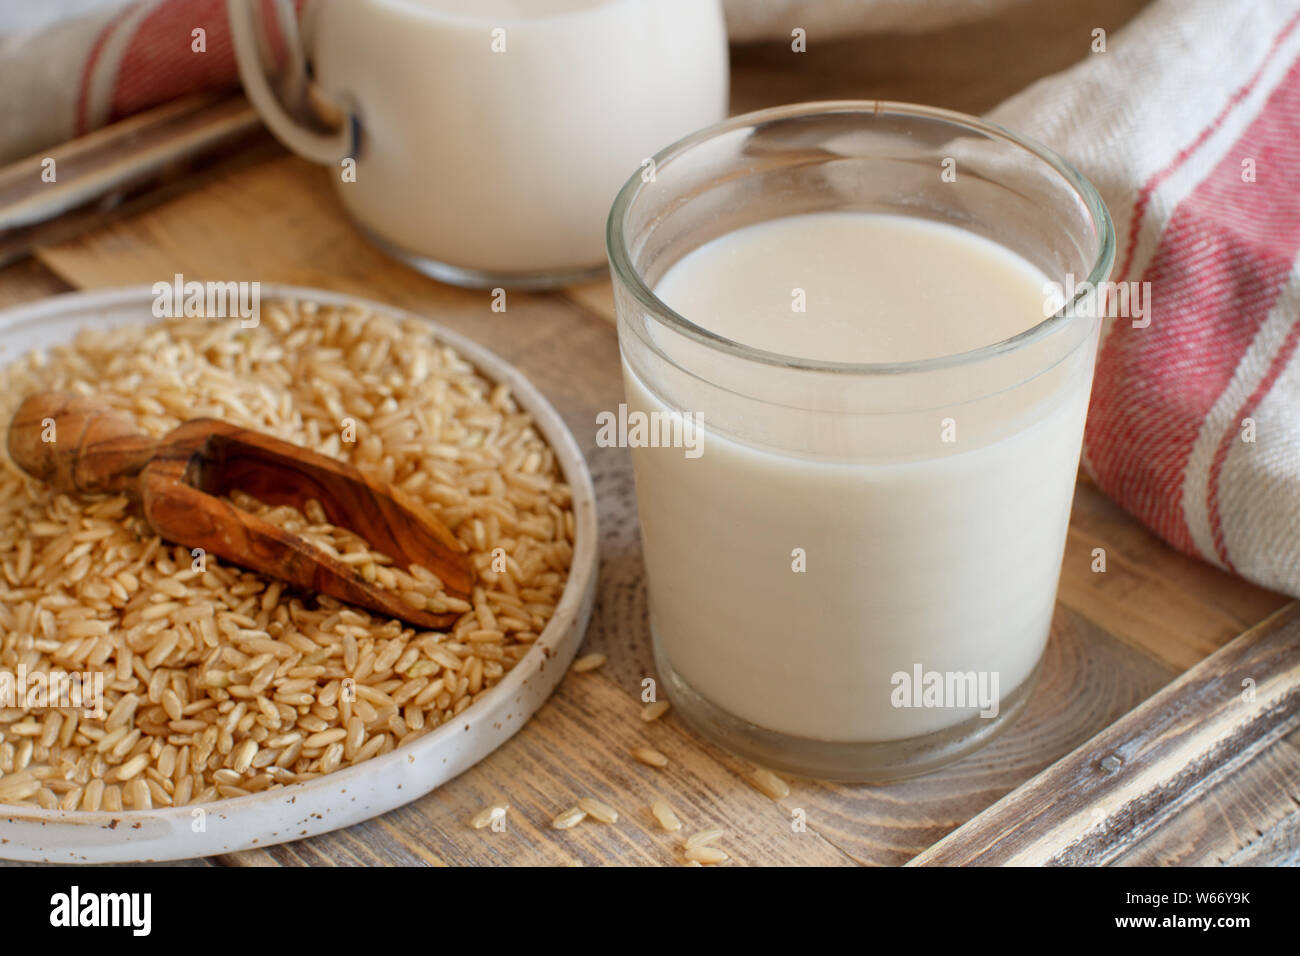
769,783
666,816
489,815
132,767
704,837
569,818
650,757
94,794
598,810
706,854
243,757
655,710
588,663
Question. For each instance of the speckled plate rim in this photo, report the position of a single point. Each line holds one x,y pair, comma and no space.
353,794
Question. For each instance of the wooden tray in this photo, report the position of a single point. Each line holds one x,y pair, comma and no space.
1231,781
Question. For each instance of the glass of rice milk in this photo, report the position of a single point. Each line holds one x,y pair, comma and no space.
482,141
856,374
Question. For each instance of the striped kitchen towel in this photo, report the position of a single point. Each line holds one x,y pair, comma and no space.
1189,125
71,66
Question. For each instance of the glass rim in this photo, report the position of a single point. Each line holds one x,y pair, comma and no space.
620,258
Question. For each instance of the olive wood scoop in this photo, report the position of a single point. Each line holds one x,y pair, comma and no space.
179,479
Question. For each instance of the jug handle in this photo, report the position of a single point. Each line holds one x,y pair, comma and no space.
329,146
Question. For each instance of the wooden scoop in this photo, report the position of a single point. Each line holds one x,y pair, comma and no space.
179,478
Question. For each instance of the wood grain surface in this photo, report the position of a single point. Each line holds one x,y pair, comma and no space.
1105,798
1118,637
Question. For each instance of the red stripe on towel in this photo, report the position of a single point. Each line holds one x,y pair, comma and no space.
159,63
1216,274
1145,194
1271,221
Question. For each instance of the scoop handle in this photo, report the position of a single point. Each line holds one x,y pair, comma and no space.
76,444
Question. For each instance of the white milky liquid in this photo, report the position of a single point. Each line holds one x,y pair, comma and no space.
939,555
508,161
875,288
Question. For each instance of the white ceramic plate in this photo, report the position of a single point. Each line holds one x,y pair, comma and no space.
356,793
